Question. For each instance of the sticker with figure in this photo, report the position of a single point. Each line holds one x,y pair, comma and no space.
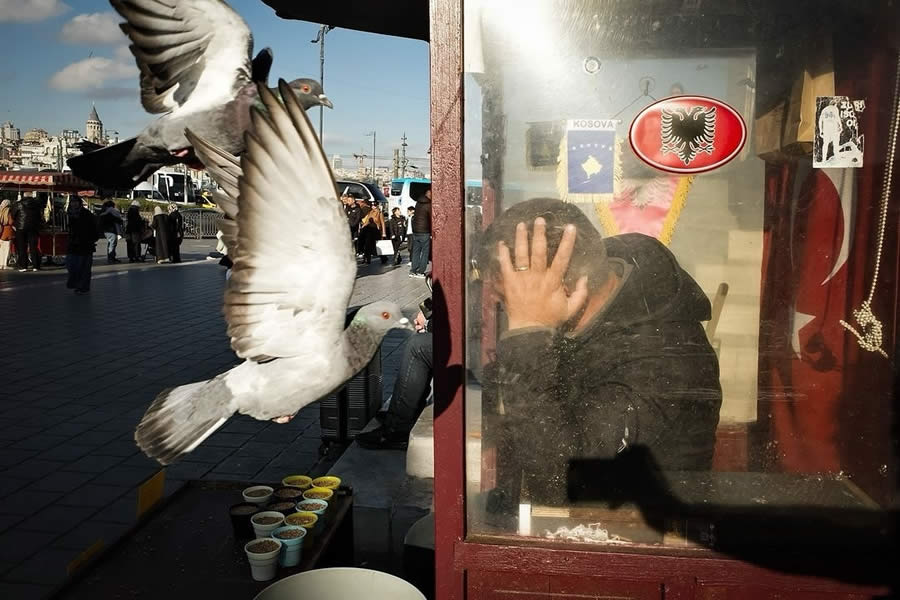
838,143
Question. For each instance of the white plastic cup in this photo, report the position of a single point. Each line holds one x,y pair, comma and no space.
264,530
263,566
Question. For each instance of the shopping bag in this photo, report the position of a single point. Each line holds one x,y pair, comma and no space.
384,248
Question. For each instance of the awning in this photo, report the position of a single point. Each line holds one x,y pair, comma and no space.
57,182
401,18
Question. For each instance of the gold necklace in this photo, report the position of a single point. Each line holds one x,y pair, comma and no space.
870,332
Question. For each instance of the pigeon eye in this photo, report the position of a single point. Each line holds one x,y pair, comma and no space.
305,89
385,315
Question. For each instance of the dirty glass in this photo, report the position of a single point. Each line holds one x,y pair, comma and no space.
707,360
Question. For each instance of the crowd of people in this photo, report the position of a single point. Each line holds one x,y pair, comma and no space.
370,225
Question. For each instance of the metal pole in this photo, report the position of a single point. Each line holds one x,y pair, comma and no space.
322,31
373,156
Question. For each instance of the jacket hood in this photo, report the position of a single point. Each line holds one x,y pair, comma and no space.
655,287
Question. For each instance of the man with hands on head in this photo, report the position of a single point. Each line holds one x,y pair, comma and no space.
604,349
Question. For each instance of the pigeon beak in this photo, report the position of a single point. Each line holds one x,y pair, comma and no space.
324,101
405,324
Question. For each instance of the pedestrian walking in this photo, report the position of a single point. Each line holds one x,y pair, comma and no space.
135,228
7,233
410,213
353,214
421,235
83,236
397,226
161,236
372,229
111,225
176,232
27,223
364,209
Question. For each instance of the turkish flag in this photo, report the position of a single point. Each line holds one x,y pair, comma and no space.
805,295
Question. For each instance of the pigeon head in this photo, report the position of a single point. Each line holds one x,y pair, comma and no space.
382,316
310,93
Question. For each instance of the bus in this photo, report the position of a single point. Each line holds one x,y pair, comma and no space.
405,191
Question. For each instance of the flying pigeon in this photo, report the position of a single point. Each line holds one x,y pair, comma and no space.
286,301
194,58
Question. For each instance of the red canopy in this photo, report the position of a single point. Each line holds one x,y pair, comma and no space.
45,180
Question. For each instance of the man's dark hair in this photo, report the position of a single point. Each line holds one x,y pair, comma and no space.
396,209
588,255
409,208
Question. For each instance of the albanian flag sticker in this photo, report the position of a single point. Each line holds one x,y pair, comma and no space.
687,134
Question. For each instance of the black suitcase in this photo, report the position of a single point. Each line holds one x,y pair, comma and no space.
343,414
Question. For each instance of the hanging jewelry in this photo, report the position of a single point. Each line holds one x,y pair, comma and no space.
870,332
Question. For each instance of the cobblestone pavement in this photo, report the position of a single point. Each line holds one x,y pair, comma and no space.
78,374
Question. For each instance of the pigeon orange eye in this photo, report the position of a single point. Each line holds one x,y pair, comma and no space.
385,315
305,89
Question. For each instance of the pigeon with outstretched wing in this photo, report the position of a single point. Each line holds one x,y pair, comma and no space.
194,58
687,132
286,302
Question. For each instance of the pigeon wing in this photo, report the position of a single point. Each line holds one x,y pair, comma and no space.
186,50
225,169
294,267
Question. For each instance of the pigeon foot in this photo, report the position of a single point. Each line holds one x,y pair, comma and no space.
283,420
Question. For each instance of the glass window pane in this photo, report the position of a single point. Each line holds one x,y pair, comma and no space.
686,364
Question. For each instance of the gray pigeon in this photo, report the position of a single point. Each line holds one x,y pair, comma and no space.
196,70
286,301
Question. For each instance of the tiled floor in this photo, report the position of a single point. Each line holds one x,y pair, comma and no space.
78,374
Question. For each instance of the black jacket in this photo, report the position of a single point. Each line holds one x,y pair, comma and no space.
134,223
354,214
397,226
176,226
27,215
83,234
642,373
421,221
109,220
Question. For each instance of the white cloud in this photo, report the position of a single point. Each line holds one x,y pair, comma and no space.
23,11
94,28
92,74
123,53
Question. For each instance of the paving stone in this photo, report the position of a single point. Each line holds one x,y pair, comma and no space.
90,532
92,494
123,510
94,464
19,433
33,469
68,429
230,440
7,521
24,591
188,470
210,454
241,465
58,519
61,481
10,457
17,545
65,452
95,438
48,566
125,476
266,450
42,441
122,448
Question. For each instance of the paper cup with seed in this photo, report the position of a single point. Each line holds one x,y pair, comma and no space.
265,522
286,507
327,481
318,493
317,507
258,494
307,520
287,494
291,538
297,481
240,519
263,556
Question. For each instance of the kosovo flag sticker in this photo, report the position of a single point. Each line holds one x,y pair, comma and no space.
590,154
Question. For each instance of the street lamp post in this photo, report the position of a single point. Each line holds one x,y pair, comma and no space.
372,133
320,39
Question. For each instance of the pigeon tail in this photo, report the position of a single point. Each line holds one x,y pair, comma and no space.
119,166
181,418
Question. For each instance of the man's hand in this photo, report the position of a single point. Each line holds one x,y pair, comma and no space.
420,322
534,295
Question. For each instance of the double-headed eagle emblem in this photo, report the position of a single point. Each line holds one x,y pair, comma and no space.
687,132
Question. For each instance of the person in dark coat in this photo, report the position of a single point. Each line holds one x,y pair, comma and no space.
83,236
176,232
161,236
371,229
353,214
364,208
135,227
604,350
421,235
397,226
111,226
27,223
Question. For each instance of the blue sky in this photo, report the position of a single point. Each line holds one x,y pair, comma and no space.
60,55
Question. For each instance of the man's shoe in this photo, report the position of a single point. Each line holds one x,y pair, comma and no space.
383,438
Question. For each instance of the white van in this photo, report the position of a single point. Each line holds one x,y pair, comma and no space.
405,191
